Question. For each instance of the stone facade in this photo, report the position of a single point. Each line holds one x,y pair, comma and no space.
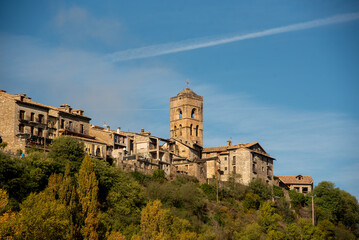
25,123
244,161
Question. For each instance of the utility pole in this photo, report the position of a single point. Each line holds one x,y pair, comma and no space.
313,210
217,180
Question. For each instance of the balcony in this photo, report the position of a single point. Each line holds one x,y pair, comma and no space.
37,141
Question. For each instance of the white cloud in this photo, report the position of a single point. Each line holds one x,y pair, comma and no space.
191,44
76,24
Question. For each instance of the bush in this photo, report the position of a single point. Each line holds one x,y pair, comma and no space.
260,188
159,174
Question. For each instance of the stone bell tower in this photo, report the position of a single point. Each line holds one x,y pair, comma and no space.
187,116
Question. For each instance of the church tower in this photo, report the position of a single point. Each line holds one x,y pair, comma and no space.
187,116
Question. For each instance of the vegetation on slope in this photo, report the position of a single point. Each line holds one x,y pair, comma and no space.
64,194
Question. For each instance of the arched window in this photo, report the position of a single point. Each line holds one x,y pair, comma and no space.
197,130
190,130
179,114
98,152
180,130
175,133
193,114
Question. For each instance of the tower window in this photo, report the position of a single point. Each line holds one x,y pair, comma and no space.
193,113
197,130
175,131
179,114
190,130
180,130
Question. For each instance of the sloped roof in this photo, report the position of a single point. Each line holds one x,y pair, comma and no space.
299,179
222,149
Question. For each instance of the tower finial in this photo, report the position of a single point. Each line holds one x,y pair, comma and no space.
187,82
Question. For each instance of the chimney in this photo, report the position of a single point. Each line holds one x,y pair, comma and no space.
229,143
108,128
118,129
142,130
66,108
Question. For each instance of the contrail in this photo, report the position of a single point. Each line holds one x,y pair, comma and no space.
186,45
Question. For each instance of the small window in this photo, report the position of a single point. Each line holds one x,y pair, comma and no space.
193,113
22,115
234,169
41,118
39,132
197,130
179,114
225,168
21,128
81,128
62,124
254,168
296,189
234,160
225,158
32,130
32,118
175,131
70,125
304,190
190,130
180,130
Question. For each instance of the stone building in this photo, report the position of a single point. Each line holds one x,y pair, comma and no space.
25,123
245,161
186,124
302,184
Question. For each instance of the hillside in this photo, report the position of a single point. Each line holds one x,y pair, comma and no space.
64,194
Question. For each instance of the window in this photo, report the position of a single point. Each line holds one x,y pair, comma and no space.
193,113
190,130
70,125
254,168
175,131
62,124
197,130
32,130
22,115
39,132
225,168
262,169
21,128
179,114
81,128
32,118
98,152
41,118
225,158
304,190
234,160
180,129
234,169
296,189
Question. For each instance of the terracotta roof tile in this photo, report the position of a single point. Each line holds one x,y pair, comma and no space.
299,179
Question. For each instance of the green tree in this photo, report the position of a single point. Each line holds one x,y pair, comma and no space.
65,149
260,188
87,192
251,201
336,205
268,219
43,218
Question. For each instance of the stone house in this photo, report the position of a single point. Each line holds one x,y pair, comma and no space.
25,123
247,161
302,184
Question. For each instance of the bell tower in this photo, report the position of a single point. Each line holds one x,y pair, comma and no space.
187,116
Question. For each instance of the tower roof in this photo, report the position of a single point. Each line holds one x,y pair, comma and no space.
187,92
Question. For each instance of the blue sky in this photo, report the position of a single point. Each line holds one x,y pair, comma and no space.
295,91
